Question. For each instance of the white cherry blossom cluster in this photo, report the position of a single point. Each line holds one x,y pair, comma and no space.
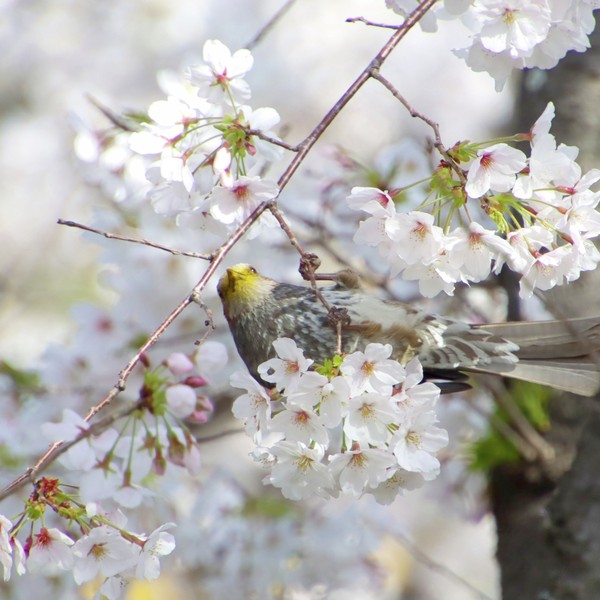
111,469
367,427
105,550
541,206
208,153
513,34
111,465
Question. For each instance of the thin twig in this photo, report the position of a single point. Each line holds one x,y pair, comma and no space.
123,238
437,567
218,256
271,140
371,23
115,119
411,20
439,146
270,24
544,450
58,448
524,448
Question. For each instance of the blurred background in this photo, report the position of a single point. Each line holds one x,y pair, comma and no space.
54,281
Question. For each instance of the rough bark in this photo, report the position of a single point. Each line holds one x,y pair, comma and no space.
548,516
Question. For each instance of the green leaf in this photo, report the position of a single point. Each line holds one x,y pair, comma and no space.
267,506
493,449
20,377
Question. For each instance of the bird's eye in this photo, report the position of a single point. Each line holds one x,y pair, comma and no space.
252,270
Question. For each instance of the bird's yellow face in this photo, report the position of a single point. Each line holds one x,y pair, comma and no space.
241,287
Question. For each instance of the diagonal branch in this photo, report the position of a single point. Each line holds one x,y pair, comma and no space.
123,238
217,257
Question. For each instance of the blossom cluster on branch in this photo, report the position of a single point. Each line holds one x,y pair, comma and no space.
358,424
518,34
361,424
543,210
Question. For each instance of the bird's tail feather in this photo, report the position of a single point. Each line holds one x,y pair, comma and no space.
562,354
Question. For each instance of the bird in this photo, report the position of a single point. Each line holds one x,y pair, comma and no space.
562,354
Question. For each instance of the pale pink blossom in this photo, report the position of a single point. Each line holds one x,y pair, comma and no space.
299,472
102,551
494,169
159,543
299,424
360,470
369,418
372,370
253,407
223,73
286,370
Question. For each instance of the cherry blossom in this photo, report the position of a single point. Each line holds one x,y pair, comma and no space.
360,470
50,551
159,543
253,407
298,470
223,73
417,441
300,425
181,400
342,415
233,204
286,370
495,168
372,370
368,418
102,551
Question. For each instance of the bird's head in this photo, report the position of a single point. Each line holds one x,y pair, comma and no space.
242,288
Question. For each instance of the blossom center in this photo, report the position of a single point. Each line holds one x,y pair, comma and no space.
367,411
368,368
242,193
420,230
509,16
486,160
357,461
301,417
98,551
304,463
292,366
475,240
414,438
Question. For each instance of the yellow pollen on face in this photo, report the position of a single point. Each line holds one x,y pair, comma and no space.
414,438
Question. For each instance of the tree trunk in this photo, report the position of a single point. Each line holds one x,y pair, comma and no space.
548,515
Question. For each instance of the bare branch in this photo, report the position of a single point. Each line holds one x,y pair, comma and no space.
439,146
437,567
370,23
276,142
218,256
115,236
270,24
115,119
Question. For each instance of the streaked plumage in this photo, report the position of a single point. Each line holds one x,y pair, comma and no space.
555,353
